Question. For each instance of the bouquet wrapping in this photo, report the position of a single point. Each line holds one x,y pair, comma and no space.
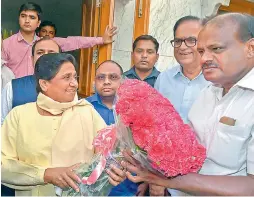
94,177
148,125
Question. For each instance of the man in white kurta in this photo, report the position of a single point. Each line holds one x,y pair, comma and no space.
230,148
223,115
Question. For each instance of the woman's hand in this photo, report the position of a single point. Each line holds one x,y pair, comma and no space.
62,177
142,174
116,175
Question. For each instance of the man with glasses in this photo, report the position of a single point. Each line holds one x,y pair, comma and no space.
107,80
183,83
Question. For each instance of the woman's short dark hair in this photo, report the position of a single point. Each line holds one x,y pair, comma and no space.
31,6
46,23
146,37
48,65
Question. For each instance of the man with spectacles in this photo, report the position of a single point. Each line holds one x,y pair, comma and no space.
183,83
145,55
107,80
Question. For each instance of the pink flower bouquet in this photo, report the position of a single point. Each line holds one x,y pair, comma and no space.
148,124
170,145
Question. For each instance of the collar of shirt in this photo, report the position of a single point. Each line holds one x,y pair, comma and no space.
96,98
132,71
245,82
20,38
179,71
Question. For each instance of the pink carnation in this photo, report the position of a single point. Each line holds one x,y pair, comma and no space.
158,129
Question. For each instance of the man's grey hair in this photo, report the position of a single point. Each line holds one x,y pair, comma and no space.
245,23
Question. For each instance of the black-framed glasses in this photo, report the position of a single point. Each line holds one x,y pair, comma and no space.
189,42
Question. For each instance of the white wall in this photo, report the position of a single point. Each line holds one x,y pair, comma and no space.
163,15
124,20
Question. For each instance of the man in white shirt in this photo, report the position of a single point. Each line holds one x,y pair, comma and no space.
6,74
223,114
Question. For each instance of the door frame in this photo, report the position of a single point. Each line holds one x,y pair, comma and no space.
96,15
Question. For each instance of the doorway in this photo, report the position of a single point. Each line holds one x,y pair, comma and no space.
96,15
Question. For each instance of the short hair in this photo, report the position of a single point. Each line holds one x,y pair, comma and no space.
146,37
46,23
43,39
31,6
245,23
111,61
48,65
184,19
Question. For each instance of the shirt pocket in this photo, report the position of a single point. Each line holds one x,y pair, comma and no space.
228,145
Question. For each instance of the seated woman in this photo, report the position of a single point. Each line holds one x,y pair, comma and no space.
43,142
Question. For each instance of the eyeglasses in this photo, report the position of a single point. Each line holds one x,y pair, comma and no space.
111,77
189,42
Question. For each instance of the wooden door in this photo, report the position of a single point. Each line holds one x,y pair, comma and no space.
242,6
96,15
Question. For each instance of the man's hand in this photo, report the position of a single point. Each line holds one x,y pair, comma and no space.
116,175
142,174
108,35
142,189
62,177
156,190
